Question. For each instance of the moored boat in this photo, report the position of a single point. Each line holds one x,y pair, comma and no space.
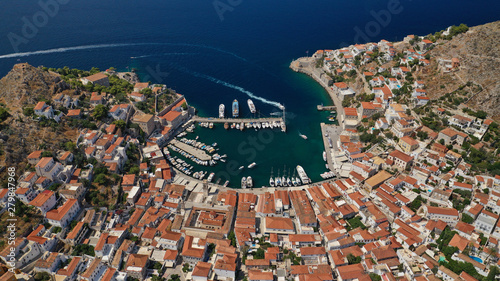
222,108
251,106
236,109
271,179
252,165
243,182
303,175
249,182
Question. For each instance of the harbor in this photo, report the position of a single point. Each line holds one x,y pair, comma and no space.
241,164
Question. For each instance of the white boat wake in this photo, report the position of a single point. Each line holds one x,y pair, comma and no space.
163,54
62,50
101,46
229,85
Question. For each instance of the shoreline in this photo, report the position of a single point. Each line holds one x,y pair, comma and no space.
296,65
254,190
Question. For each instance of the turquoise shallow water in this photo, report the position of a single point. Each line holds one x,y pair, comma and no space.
188,46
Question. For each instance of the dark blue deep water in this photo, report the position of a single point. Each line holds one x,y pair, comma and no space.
189,45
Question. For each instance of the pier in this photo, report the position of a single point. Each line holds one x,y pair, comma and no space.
277,121
196,152
236,120
326,108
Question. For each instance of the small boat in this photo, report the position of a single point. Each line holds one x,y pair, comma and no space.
236,109
226,184
249,182
241,167
211,177
303,136
242,126
243,182
280,106
252,165
211,125
251,106
226,125
222,108
324,155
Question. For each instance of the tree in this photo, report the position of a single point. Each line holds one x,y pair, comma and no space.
494,271
375,277
70,146
4,114
260,254
120,124
100,112
231,236
101,179
174,277
83,249
28,111
352,259
422,135
134,170
467,219
42,276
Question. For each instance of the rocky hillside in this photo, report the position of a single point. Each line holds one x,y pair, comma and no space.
479,54
24,86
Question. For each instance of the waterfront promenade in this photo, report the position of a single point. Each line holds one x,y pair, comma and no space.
193,184
330,133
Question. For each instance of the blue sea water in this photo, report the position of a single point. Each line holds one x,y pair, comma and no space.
214,56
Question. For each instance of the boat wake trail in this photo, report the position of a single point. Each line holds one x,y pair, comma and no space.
101,46
229,85
62,50
163,54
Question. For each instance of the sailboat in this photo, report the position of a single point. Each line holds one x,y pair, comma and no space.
271,179
288,181
283,179
277,180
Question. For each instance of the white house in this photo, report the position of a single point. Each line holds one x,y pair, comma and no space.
44,201
63,215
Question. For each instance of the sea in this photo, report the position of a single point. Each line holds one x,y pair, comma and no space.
215,51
